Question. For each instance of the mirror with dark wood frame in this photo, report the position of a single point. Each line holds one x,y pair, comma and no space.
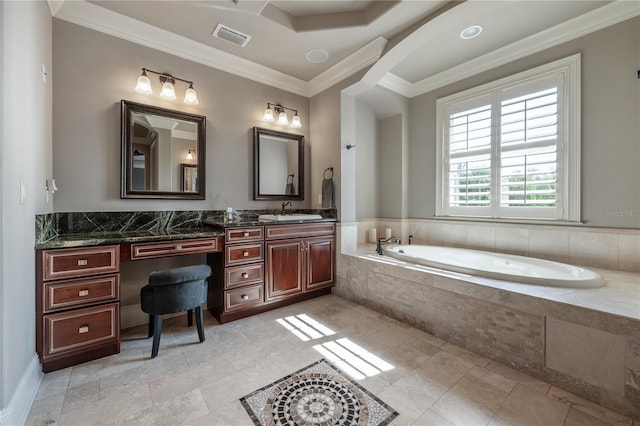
163,153
278,165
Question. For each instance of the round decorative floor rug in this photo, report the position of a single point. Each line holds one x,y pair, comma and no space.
317,395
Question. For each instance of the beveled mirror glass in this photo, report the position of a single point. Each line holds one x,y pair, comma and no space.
163,153
278,165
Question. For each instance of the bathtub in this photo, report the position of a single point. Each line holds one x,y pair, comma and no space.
497,265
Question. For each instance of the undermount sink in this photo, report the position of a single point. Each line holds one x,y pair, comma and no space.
288,217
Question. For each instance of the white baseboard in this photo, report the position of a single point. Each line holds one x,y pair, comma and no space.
18,409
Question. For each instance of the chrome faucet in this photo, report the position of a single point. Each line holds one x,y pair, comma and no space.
284,205
410,239
382,241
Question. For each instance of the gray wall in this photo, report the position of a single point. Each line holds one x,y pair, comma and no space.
367,162
610,129
326,138
25,129
93,71
390,167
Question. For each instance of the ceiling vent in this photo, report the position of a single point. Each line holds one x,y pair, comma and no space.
231,35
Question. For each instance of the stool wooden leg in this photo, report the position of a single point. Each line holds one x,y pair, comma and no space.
157,330
190,317
199,323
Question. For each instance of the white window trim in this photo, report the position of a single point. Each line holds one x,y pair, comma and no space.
569,167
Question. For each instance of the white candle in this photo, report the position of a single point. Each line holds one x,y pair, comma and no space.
373,235
387,233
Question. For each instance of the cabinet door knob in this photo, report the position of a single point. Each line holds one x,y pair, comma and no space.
83,293
245,275
82,262
245,234
245,253
83,329
245,297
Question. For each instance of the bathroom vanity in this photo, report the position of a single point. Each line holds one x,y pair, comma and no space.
267,266
257,266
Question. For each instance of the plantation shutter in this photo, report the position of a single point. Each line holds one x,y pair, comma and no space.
511,148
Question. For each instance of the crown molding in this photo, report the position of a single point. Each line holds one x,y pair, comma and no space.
396,84
595,20
358,60
106,21
103,20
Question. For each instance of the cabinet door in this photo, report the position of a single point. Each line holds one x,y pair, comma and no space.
284,265
320,255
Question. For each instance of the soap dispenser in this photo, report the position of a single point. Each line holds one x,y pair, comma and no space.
228,217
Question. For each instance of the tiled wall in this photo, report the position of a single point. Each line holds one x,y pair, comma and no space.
509,327
608,248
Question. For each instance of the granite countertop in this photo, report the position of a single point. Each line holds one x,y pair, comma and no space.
96,239
256,222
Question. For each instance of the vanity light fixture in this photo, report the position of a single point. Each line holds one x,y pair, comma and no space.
168,90
283,119
190,155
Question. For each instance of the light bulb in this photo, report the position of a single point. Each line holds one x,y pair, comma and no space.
144,84
283,119
168,91
190,96
268,115
295,121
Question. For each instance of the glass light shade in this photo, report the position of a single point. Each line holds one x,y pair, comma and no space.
295,121
168,91
144,84
283,119
268,115
190,96
189,156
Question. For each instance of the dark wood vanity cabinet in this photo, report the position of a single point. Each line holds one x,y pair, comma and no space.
77,305
297,265
267,267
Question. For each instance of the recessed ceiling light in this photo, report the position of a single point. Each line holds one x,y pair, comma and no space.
317,56
471,32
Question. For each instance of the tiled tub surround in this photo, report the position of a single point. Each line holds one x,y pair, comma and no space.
586,340
607,248
55,230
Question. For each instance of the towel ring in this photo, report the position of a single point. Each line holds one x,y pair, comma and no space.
328,169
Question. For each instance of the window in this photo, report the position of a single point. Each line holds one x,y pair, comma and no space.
510,148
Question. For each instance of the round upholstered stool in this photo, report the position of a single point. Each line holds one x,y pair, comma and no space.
174,290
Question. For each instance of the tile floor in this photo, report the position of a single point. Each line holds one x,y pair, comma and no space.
431,382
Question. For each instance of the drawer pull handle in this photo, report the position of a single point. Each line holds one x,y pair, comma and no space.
245,234
82,262
245,253
83,329
244,297
245,275
82,293
178,247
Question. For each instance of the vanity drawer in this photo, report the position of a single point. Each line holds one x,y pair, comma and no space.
173,248
244,297
73,330
241,235
77,292
241,254
74,262
243,275
300,230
